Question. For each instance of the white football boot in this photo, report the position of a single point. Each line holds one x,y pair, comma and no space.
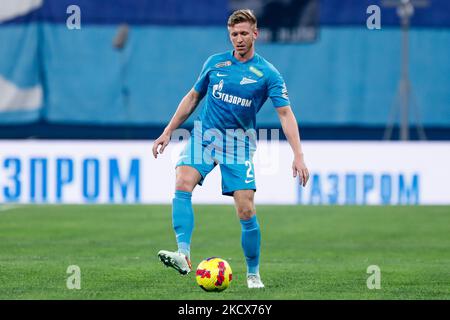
176,260
254,281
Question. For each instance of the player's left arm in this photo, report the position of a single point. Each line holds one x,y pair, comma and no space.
291,131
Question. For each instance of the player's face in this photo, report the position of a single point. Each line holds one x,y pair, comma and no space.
243,36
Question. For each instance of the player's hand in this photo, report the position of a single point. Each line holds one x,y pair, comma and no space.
162,141
299,167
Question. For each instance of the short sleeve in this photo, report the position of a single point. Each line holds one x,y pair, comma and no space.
201,85
277,90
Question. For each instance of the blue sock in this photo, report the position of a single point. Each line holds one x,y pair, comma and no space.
251,241
183,220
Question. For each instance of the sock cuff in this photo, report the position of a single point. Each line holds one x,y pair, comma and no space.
180,194
184,248
249,224
253,269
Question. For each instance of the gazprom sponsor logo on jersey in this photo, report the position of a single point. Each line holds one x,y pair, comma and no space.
361,189
63,179
218,94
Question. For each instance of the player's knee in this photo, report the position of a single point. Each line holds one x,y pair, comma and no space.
245,212
184,183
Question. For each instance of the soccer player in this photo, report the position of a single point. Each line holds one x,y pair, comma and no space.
236,84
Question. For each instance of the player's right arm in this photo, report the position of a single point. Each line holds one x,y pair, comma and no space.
186,107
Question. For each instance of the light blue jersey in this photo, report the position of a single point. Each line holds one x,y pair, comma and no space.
235,91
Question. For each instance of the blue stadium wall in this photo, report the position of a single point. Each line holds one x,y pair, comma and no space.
347,79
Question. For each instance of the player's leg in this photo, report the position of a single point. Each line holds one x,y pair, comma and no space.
187,178
250,236
238,180
182,212
191,169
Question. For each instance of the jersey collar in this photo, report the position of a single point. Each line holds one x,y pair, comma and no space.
233,58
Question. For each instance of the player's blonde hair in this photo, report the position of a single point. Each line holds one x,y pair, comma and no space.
242,15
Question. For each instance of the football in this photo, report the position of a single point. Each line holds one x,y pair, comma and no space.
213,274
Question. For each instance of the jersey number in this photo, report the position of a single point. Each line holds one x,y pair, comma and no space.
249,169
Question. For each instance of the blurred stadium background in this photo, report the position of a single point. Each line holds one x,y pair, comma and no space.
116,71
342,77
81,104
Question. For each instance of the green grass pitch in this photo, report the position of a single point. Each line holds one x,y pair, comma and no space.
307,252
